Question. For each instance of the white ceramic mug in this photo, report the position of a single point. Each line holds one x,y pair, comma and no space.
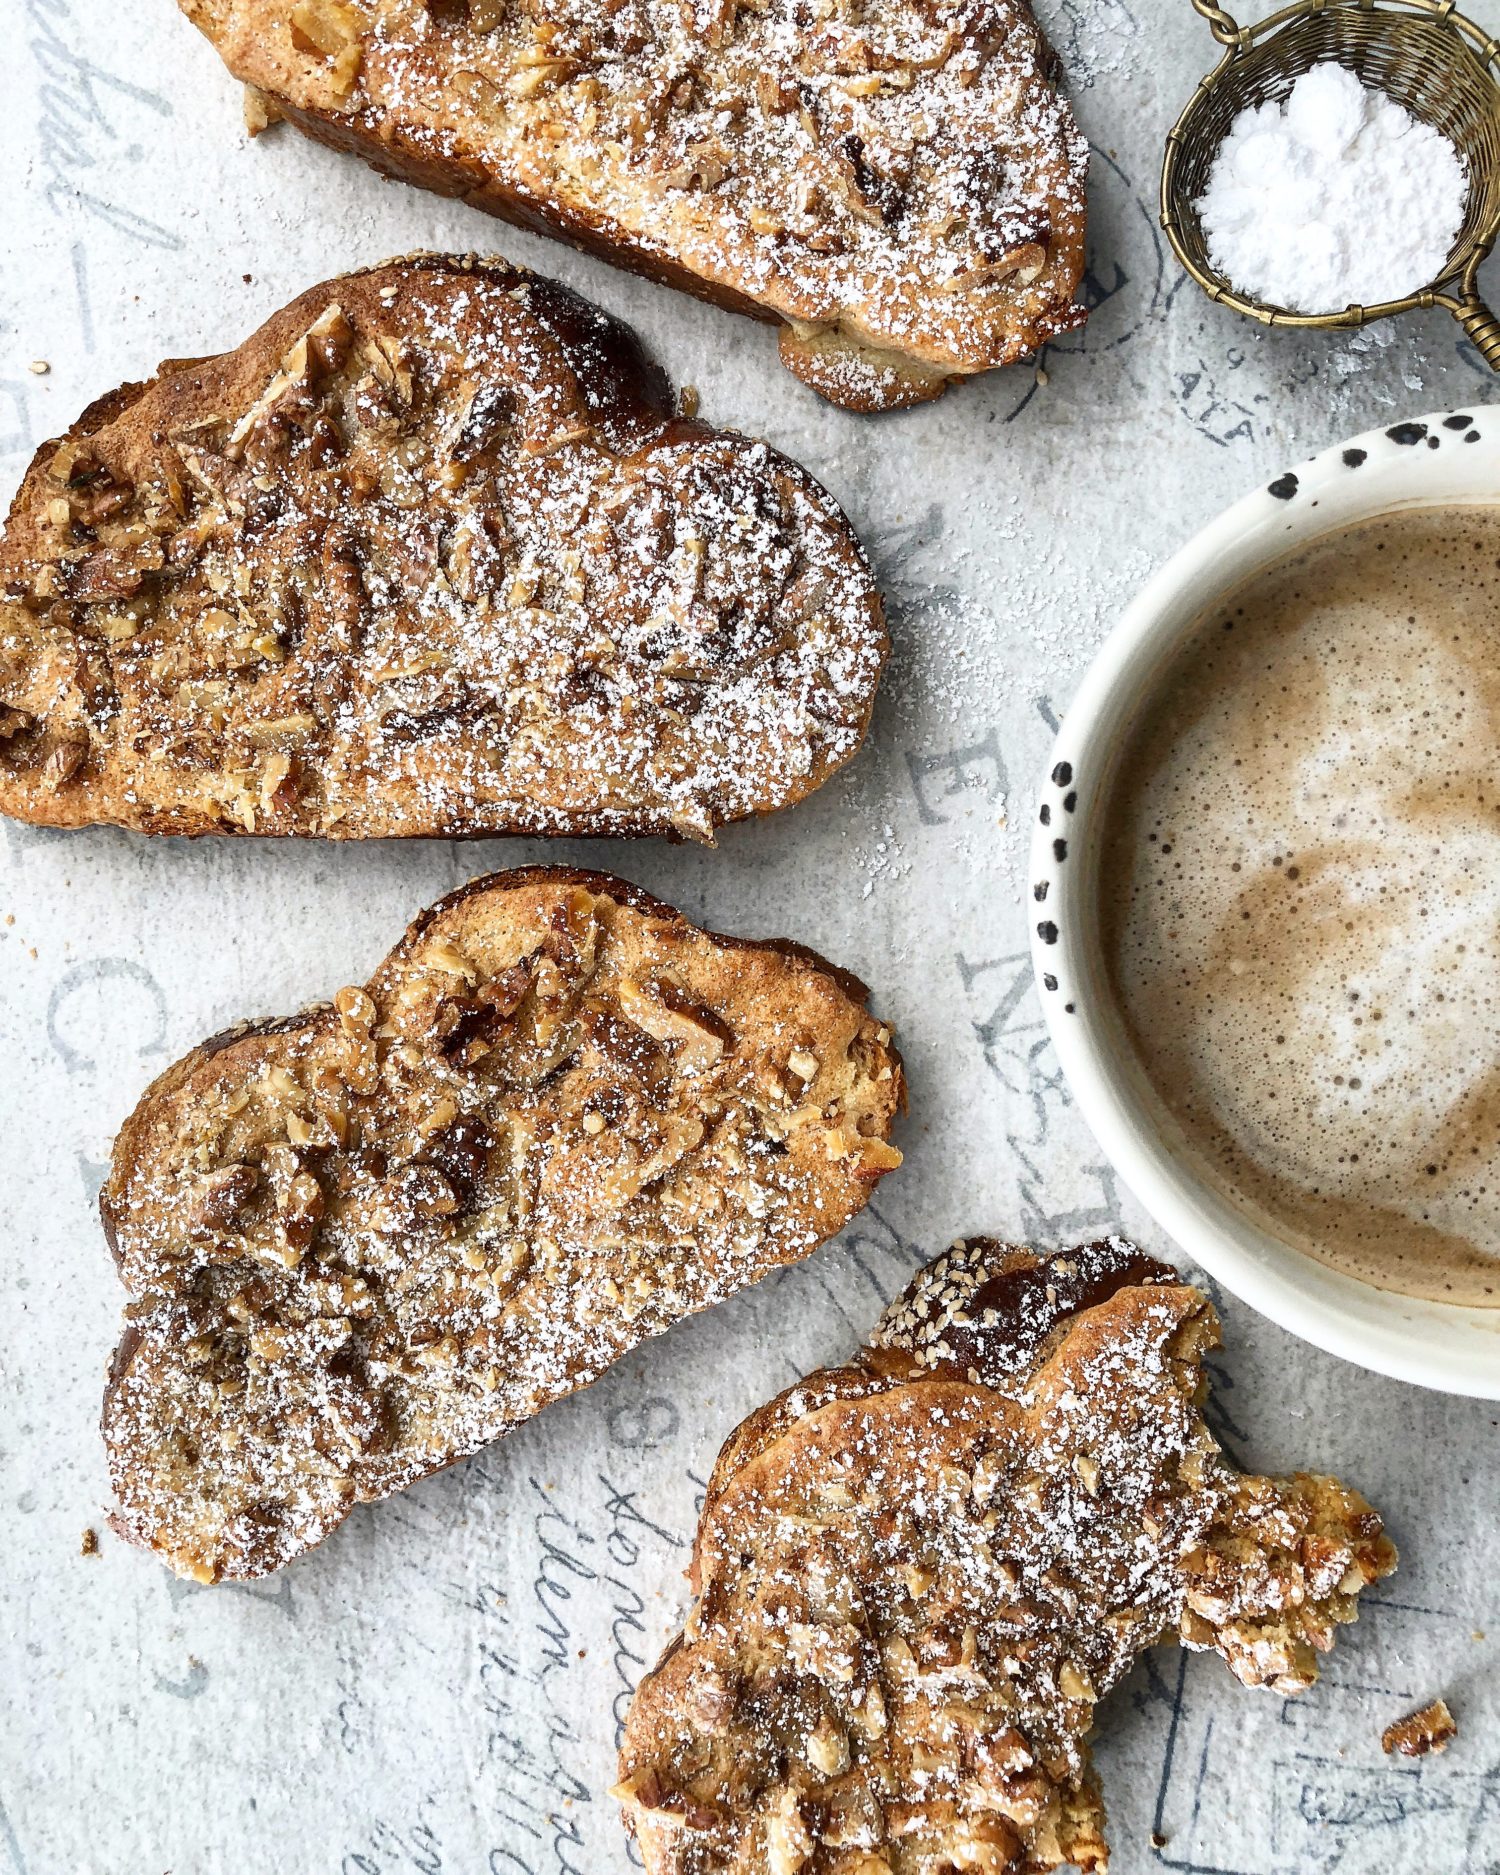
1451,457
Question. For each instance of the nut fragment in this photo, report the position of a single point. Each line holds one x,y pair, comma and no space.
260,111
697,1036
449,959
223,1195
63,763
356,1009
324,26
828,1748
1074,1683
789,1842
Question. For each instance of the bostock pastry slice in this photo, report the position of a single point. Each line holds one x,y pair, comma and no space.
431,553
898,185
919,1573
364,1242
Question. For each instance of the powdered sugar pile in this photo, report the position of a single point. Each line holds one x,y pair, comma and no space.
1335,197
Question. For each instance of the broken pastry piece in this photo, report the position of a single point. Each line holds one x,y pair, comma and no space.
897,184
1433,1728
430,553
364,1242
917,1575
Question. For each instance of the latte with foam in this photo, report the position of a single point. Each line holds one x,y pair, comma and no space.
1301,900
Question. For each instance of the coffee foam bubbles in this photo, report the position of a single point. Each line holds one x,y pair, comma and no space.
1302,891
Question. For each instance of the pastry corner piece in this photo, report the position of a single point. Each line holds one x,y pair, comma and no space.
429,554
364,1242
917,1574
899,184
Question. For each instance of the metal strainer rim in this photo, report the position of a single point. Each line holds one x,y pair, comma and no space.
1463,264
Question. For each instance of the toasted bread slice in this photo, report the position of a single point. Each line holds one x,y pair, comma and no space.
898,183
428,554
917,1575
365,1242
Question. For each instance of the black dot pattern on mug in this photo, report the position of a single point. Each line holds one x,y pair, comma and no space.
1047,930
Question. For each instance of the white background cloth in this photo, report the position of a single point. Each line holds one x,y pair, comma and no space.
438,1688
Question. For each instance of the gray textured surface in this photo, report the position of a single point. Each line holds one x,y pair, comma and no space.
438,1688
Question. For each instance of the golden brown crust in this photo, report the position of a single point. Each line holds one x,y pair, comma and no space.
367,1240
429,554
860,377
900,185
919,1573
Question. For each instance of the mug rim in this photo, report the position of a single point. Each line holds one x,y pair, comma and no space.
1446,458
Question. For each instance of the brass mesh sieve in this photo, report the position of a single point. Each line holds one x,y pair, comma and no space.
1440,66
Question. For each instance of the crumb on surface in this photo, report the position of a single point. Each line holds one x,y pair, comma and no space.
1426,1730
88,1543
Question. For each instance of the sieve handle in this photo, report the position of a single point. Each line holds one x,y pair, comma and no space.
1223,25
1481,328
